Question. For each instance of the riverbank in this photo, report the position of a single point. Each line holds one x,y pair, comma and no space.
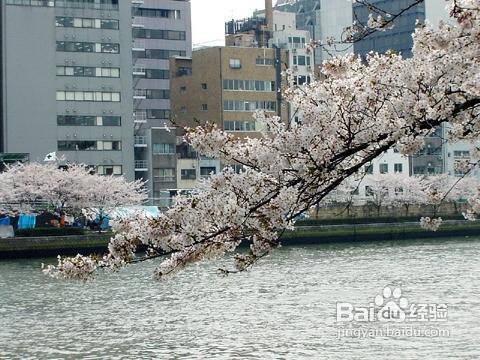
304,234
28,247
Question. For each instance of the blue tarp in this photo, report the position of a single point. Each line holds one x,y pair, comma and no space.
5,221
27,221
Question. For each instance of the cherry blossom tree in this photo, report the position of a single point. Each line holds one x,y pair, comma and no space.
40,187
358,111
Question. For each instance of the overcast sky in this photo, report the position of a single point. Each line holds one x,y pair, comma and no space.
209,16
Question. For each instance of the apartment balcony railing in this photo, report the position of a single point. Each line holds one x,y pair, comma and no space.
138,45
139,117
140,141
141,165
138,22
139,70
140,94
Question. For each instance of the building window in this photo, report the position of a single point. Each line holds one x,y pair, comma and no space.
204,86
264,62
157,94
163,149
235,64
383,168
183,71
109,170
87,71
398,168
97,96
89,145
158,114
368,191
188,174
154,74
204,107
88,120
207,171
164,175
162,13
369,169
459,154
75,46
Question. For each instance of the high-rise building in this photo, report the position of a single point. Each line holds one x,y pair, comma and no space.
323,19
432,159
66,82
161,29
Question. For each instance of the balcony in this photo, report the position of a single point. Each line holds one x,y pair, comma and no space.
141,141
140,94
138,45
141,165
139,70
138,22
140,117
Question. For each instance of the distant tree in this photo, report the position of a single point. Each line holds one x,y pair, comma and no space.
41,187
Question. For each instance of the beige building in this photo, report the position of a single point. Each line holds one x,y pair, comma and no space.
226,85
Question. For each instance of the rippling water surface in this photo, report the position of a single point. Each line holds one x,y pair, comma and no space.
283,309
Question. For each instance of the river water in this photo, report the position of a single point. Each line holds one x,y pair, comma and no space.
285,308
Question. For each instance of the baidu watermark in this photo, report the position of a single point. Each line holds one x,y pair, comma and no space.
392,315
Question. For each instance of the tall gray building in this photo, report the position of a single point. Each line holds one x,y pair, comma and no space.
67,81
161,29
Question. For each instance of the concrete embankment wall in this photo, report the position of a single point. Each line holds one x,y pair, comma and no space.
304,235
22,247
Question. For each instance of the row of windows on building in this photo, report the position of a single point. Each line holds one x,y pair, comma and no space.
158,54
249,85
239,125
89,145
158,34
169,174
89,23
162,13
88,71
88,120
96,96
383,168
237,63
153,74
89,47
240,105
77,4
